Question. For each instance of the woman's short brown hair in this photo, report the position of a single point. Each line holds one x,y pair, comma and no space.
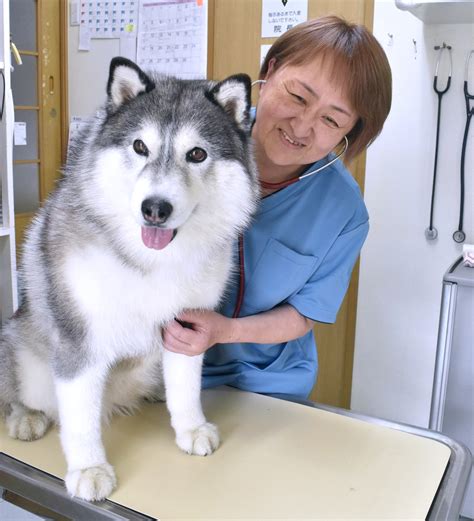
359,64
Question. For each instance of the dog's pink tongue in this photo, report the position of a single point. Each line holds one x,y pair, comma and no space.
156,238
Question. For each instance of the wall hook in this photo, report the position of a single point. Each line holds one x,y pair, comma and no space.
444,46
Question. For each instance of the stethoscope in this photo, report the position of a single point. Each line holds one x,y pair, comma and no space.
431,232
459,235
275,186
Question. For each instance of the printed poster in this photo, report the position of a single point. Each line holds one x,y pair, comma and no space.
278,16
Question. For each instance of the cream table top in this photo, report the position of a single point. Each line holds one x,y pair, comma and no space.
278,460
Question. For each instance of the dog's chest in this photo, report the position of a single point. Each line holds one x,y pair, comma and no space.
121,305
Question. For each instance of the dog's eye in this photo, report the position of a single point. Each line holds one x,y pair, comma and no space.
196,155
140,148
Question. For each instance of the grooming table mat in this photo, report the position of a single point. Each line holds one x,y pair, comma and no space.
277,460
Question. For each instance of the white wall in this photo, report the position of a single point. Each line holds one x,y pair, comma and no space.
401,272
88,73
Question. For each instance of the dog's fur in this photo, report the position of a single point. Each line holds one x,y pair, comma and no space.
141,226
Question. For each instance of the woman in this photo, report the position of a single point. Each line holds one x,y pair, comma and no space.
324,82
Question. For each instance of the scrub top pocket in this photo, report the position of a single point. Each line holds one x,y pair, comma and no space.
279,273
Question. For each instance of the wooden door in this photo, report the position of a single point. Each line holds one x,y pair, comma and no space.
38,30
234,36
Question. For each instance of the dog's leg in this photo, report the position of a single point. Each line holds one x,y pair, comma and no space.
182,376
26,424
89,476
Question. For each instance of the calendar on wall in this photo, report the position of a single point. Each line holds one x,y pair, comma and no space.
106,19
168,36
173,37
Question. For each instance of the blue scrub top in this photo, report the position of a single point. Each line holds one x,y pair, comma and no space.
300,250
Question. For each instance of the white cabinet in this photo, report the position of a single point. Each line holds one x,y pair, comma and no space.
439,11
8,282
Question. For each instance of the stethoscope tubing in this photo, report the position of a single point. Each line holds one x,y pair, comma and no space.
459,235
241,289
284,184
435,169
431,232
463,175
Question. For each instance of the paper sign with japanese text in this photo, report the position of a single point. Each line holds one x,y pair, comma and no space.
278,16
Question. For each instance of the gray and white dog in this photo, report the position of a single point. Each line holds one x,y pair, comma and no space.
141,226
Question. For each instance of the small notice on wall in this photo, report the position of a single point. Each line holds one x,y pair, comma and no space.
263,52
19,135
278,16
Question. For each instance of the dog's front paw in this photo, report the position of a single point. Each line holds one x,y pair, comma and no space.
201,441
92,484
27,425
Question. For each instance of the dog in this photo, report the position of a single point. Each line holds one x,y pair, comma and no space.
141,226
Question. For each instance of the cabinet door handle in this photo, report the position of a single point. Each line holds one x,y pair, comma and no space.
15,53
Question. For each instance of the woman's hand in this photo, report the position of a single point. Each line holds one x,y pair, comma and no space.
203,329
207,328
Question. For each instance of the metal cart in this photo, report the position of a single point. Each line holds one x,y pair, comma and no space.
452,406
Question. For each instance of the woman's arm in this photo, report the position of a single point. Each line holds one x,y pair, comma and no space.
281,324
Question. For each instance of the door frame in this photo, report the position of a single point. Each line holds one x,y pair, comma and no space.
52,88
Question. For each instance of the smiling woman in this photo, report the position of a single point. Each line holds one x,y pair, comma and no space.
302,116
354,64
325,85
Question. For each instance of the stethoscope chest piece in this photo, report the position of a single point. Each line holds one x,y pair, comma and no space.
459,236
431,233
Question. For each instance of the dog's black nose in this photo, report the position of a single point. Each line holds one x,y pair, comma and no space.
156,211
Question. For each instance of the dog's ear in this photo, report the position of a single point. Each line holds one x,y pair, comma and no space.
233,95
126,81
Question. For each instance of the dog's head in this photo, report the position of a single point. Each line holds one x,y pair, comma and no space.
174,154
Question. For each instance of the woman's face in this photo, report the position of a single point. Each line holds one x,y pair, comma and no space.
302,115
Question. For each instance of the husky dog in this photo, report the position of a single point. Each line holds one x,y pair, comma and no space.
141,226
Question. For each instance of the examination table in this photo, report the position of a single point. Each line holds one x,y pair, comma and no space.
279,459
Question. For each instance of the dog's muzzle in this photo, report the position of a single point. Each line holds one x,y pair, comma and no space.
155,213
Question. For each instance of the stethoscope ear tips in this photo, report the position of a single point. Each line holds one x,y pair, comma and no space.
431,233
459,236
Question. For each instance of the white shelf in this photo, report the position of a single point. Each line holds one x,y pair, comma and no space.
8,277
438,11
4,232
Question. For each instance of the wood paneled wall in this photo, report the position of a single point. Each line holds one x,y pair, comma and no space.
234,46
